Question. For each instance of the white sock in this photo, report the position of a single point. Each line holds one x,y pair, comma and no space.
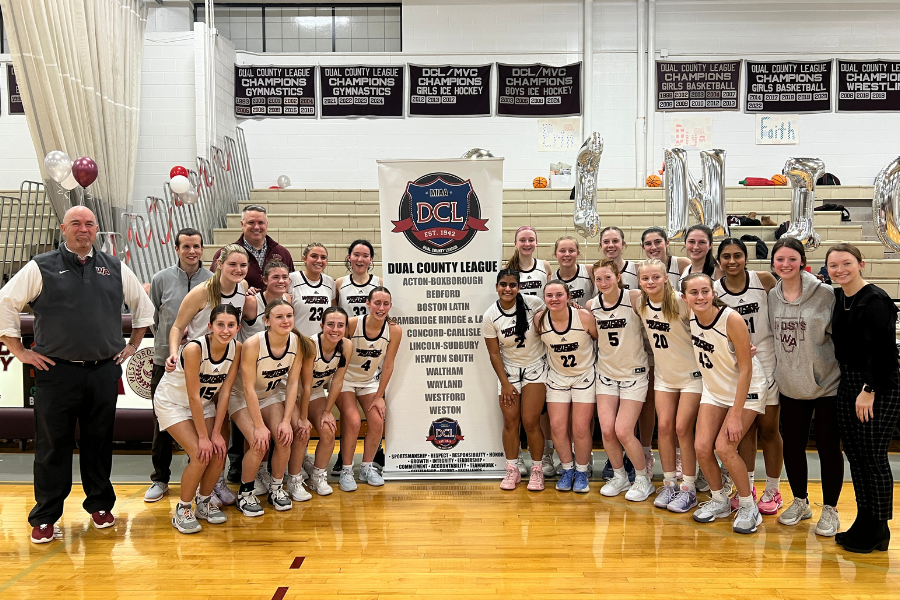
263,466
669,478
185,504
581,468
277,483
719,495
567,466
689,483
347,468
746,502
363,465
621,472
752,475
648,450
511,463
773,483
318,471
202,498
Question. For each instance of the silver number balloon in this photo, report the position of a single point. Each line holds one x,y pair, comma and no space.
478,153
803,173
705,200
58,165
886,206
284,182
587,221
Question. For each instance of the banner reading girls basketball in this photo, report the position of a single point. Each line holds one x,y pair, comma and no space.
441,240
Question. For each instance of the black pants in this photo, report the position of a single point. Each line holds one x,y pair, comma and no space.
161,451
66,395
796,418
866,444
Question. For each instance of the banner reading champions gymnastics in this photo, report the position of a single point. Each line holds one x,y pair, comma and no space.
441,240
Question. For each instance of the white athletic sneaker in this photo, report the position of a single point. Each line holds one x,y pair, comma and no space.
209,512
369,474
640,490
547,465
711,510
319,483
156,491
347,481
184,520
520,463
249,505
224,493
616,485
279,498
799,510
296,489
664,495
747,519
829,522
262,482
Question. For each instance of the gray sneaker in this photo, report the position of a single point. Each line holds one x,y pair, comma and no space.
249,505
727,483
684,500
309,463
223,492
184,520
547,464
711,510
262,482
369,474
798,511
156,491
279,498
701,484
746,519
348,482
829,522
209,512
664,495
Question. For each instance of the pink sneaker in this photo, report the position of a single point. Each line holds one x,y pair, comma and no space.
736,500
512,478
770,502
536,482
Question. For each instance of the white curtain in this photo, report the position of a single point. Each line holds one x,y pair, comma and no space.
78,65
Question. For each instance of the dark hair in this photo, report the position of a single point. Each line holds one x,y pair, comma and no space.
379,288
253,208
307,348
717,302
617,230
272,265
662,233
227,309
187,231
521,307
791,243
330,311
540,324
709,264
353,245
731,242
845,247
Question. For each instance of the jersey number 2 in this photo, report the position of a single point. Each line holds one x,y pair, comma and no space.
661,341
315,313
568,360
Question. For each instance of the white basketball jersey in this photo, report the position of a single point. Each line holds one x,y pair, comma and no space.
172,387
368,354
517,352
674,274
714,354
198,327
629,275
569,352
532,282
352,297
621,354
581,286
271,371
670,343
310,300
324,368
753,305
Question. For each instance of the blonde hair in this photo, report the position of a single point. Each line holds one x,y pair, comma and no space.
514,262
214,283
610,264
566,237
670,299
307,347
312,245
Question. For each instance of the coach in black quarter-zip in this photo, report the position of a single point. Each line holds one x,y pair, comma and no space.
76,295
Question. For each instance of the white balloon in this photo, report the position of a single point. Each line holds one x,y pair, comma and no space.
284,182
180,184
69,182
58,165
189,197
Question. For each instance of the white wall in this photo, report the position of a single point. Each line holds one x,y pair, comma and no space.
18,160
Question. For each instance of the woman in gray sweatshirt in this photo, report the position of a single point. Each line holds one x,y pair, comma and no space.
807,374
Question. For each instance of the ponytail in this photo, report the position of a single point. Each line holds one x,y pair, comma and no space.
513,263
521,307
670,299
214,283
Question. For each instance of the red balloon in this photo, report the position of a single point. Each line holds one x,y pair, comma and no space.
179,170
274,187
84,170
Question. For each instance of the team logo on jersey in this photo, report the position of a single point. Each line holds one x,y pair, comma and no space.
139,372
445,434
439,214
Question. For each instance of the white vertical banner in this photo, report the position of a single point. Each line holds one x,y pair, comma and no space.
442,245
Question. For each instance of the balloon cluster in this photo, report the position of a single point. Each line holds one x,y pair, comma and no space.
82,172
181,186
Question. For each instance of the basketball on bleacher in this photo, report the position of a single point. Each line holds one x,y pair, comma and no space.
539,182
654,181
779,179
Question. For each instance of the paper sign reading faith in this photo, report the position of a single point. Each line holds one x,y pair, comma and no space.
777,129
691,132
558,134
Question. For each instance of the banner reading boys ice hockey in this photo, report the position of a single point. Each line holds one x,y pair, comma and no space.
441,241
539,90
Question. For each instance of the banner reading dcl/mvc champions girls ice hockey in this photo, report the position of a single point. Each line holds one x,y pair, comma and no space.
441,241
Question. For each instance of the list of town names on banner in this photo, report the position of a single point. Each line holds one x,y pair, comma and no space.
697,86
441,224
274,91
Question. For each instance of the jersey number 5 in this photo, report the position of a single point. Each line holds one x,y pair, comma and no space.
207,393
613,338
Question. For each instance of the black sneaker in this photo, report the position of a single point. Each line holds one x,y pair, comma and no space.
234,472
379,458
608,472
629,468
336,469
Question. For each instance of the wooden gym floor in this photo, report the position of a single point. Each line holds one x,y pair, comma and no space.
455,540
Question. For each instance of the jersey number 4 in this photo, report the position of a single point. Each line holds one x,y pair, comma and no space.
661,341
704,361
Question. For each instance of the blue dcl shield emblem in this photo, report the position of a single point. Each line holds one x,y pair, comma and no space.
445,434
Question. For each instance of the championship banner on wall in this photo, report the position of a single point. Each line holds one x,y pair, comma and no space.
274,91
697,85
868,85
788,87
449,91
12,86
441,241
539,90
362,91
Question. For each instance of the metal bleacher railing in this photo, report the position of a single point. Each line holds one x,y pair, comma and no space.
28,226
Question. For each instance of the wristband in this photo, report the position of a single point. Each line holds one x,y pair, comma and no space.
868,389
133,346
